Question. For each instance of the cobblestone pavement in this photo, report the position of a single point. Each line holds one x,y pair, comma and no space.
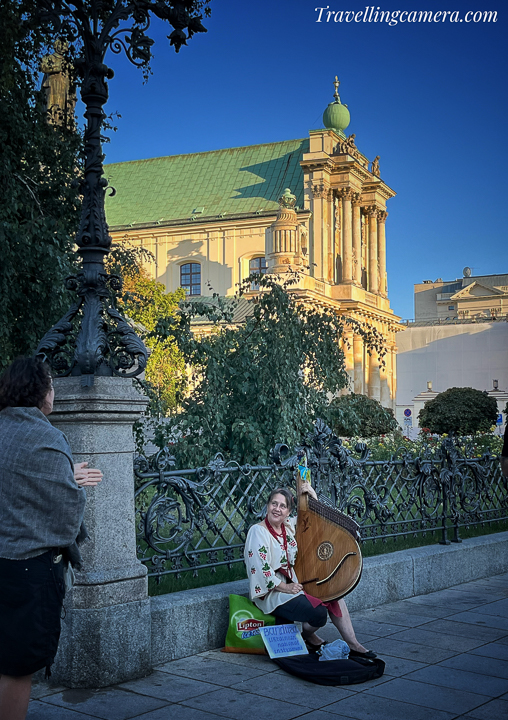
446,657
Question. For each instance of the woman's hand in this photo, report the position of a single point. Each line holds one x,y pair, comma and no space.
289,588
305,488
85,476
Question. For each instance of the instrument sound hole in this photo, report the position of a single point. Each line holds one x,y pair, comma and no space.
325,551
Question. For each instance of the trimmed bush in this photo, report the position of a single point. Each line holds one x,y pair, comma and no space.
459,410
357,415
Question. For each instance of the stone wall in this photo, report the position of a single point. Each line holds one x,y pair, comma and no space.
192,621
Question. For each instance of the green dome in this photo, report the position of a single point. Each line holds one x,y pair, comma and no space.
336,116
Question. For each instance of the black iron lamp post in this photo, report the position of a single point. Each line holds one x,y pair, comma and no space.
93,338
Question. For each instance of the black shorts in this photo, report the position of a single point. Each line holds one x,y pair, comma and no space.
299,609
31,597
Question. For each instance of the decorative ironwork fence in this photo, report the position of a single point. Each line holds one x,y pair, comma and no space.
189,520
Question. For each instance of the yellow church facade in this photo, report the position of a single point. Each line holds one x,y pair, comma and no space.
314,204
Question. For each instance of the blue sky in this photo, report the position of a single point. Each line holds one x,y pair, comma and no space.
429,98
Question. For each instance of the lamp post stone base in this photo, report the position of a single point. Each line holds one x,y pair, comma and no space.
106,629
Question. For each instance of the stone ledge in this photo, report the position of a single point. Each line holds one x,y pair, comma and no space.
193,621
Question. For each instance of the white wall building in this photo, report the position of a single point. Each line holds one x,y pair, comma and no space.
454,354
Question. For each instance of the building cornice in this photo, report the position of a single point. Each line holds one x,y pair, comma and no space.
213,223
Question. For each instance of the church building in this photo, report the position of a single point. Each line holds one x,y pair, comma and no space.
315,204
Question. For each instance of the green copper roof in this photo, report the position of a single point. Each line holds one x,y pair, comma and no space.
244,180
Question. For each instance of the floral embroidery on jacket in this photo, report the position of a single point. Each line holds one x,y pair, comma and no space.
264,555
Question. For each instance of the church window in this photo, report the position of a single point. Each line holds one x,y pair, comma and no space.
190,278
257,265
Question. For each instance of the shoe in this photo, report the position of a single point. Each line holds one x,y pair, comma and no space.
370,654
313,647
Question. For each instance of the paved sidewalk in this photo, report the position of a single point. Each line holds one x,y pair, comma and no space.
446,657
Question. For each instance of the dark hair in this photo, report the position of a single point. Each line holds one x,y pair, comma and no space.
25,383
288,495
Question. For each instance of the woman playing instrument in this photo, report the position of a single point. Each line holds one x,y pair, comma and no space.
270,554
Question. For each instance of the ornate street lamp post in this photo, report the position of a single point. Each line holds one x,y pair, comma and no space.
93,338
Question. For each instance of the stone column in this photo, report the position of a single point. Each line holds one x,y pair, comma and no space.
348,352
381,251
337,255
359,370
347,268
319,211
366,373
384,378
107,626
373,259
357,240
365,247
374,378
329,237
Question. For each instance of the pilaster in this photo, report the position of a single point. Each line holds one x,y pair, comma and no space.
359,379
374,378
381,245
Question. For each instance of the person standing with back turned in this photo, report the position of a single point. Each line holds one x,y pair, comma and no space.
42,502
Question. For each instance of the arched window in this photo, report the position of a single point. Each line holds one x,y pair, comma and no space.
190,278
257,265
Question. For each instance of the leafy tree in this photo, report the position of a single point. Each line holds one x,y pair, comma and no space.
263,382
459,410
146,302
39,206
40,162
354,414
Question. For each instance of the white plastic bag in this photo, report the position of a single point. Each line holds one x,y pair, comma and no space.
336,650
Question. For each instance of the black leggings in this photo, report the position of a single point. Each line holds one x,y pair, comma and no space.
301,610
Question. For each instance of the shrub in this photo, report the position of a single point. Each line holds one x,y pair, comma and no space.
355,414
459,410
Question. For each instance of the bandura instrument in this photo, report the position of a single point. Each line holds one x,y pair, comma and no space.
329,561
